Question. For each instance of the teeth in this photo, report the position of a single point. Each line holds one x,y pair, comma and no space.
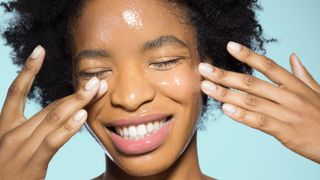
156,125
125,132
132,131
140,131
150,127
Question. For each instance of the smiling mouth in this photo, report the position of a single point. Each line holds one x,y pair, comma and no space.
139,131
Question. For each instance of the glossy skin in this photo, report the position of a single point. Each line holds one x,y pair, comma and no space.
27,146
142,80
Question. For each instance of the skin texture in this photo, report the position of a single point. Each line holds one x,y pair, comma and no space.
274,108
27,146
146,88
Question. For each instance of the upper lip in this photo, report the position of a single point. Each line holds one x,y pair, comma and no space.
137,120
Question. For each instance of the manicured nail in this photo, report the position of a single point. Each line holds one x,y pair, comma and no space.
297,59
36,52
205,69
80,115
229,108
234,46
209,86
91,84
103,86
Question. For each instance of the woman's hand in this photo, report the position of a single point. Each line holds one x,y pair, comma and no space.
27,146
288,108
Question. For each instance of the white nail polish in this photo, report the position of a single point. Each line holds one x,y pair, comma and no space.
103,86
205,69
36,52
229,108
234,46
209,86
91,84
80,115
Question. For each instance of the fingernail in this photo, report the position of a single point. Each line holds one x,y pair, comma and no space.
235,47
80,115
91,84
205,69
36,52
229,108
297,59
103,86
209,86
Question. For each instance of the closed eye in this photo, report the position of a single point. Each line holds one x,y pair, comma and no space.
165,65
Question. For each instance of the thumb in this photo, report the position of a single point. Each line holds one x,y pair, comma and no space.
302,73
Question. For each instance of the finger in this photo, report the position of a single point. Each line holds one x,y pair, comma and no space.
245,83
302,73
102,90
57,139
268,67
15,100
61,113
29,126
255,120
24,131
246,101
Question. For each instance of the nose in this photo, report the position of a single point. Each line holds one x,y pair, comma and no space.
131,90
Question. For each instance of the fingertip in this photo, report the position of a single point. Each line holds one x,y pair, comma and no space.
80,116
37,52
234,47
229,109
103,87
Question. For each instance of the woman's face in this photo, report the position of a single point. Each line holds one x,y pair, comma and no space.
146,51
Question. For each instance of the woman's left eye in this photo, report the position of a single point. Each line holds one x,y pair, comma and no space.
165,65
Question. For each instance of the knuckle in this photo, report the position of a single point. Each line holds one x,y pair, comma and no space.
242,115
54,105
50,143
68,126
223,93
80,96
249,81
269,64
246,52
220,73
251,100
7,140
262,120
13,89
28,68
54,118
298,101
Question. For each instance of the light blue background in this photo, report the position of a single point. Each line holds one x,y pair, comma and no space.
227,150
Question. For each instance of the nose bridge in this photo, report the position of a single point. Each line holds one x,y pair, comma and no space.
131,89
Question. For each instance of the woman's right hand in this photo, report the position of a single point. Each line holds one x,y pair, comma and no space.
27,145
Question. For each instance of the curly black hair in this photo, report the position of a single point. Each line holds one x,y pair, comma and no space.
49,23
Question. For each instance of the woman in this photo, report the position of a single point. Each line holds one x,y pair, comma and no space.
140,73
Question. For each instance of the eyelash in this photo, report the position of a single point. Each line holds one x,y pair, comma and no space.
166,64
89,75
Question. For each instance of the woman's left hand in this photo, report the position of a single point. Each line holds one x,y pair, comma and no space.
288,108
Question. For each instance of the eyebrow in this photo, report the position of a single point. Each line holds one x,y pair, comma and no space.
92,53
149,45
162,41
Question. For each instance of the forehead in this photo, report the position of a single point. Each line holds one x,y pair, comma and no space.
130,21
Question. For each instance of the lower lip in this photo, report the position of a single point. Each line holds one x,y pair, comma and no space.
144,145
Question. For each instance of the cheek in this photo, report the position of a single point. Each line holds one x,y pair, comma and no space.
181,84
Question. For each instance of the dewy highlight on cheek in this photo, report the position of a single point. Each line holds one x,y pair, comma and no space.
132,18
